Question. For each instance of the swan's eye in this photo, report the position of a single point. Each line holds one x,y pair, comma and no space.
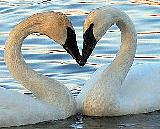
71,45
89,43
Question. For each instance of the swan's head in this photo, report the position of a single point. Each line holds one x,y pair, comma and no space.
95,26
58,27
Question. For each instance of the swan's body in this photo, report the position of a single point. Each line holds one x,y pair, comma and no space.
139,93
53,100
110,91
18,109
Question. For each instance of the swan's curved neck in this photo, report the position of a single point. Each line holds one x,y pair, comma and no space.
125,57
29,78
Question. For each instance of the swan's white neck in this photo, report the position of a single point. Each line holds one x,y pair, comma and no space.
99,95
117,71
44,88
14,59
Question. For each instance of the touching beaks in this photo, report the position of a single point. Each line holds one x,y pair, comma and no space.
71,46
89,43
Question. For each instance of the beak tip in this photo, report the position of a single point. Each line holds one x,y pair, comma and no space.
81,62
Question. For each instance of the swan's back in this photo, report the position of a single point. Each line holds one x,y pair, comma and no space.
19,109
140,92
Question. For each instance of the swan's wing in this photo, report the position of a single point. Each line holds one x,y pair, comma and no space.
140,91
19,109
143,78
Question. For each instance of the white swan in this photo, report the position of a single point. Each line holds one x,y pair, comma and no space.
53,100
110,91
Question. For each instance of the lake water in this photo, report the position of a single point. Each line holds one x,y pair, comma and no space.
50,59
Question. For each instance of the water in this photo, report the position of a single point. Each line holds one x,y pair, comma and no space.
48,58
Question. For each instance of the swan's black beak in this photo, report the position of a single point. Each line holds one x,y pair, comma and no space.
71,45
89,44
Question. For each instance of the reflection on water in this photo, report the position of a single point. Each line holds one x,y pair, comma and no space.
75,12
149,32
141,121
50,59
149,2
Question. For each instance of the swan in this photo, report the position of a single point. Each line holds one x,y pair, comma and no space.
117,89
53,100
